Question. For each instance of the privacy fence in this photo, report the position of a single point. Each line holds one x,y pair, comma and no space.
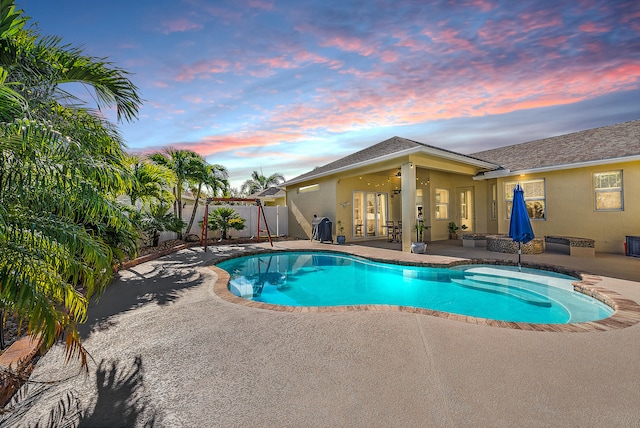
277,219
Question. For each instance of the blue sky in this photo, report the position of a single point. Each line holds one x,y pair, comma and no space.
285,86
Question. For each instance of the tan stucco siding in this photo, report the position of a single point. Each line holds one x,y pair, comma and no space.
302,206
452,182
570,208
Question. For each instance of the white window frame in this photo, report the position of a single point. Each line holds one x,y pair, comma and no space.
508,196
438,203
494,201
598,190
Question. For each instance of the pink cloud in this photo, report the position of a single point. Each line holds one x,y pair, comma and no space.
277,62
348,44
498,33
193,99
311,57
180,25
484,5
261,4
265,154
554,41
592,27
226,15
203,69
488,93
539,20
235,142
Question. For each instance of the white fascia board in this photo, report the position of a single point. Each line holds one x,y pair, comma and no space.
414,150
509,173
457,157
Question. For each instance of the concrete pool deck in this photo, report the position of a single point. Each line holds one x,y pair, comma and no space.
168,351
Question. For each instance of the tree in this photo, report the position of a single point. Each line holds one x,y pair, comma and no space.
150,181
259,182
157,220
61,167
185,164
223,219
215,179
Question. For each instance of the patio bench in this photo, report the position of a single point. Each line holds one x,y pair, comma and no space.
581,247
473,240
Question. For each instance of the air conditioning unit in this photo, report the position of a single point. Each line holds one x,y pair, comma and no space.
633,246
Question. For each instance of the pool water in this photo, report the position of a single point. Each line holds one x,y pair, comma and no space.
484,291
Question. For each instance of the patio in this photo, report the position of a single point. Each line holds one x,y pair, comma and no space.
605,264
170,352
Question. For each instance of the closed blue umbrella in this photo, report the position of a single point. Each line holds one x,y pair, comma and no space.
520,227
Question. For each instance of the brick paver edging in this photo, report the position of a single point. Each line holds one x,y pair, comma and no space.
626,311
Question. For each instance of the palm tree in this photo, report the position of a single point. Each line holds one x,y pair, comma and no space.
149,181
185,164
259,182
61,168
157,220
225,218
215,178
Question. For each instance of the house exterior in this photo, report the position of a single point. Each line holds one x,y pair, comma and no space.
585,184
271,197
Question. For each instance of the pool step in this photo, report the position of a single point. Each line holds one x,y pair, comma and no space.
525,296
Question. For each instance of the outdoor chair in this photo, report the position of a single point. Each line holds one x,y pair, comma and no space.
392,231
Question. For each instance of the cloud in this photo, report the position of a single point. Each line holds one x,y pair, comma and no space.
592,27
203,69
261,4
180,25
262,77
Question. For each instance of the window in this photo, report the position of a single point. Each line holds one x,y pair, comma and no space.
311,188
534,197
442,204
607,187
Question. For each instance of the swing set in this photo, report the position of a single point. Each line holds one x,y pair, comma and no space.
204,236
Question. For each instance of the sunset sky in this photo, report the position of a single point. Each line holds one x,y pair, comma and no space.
287,85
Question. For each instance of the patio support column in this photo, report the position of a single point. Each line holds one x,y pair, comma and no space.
408,186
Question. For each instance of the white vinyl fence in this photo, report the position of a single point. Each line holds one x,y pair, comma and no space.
277,219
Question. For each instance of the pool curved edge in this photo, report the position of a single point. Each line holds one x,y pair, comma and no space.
626,311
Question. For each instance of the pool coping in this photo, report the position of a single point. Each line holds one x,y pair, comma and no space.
626,311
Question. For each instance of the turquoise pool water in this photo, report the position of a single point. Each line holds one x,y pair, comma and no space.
485,291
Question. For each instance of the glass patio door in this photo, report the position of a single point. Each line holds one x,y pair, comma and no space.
369,214
466,208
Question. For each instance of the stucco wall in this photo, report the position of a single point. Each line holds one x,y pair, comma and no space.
302,206
570,207
453,182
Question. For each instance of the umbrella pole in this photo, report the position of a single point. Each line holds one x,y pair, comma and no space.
519,253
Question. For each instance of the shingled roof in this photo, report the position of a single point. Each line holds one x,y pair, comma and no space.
392,146
609,142
599,144
269,192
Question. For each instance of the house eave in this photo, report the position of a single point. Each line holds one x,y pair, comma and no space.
508,173
414,150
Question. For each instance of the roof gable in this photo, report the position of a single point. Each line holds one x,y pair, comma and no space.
390,147
386,147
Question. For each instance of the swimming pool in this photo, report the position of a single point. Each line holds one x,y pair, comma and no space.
484,291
